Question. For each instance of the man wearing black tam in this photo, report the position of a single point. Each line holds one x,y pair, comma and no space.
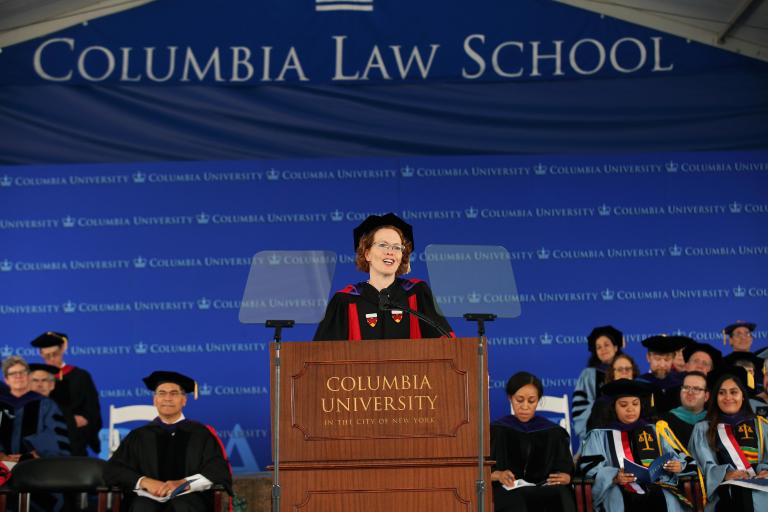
378,307
75,393
666,383
170,454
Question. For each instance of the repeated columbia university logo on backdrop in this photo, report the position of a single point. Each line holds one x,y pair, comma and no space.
542,254
141,348
278,173
209,218
551,338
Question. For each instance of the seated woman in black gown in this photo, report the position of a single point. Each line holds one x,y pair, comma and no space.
533,459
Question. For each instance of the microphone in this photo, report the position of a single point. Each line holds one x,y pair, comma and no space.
386,304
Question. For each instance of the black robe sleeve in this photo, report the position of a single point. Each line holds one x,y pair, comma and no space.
335,324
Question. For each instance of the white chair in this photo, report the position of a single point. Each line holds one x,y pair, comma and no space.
555,404
124,415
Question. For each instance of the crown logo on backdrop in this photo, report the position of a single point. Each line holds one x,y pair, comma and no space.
202,218
735,207
6,351
68,221
675,250
139,177
69,307
273,174
608,294
540,169
604,210
337,215
6,181
671,166
140,348
546,338
274,259
205,389
739,291
6,266
474,298
543,253
140,262
203,303
471,212
407,171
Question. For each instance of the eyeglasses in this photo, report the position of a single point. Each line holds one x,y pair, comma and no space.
741,335
622,369
19,373
172,394
386,246
693,390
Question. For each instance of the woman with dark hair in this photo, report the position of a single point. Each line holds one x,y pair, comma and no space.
533,466
629,437
604,344
377,308
622,367
730,445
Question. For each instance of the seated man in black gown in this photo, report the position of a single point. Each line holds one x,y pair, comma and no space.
170,453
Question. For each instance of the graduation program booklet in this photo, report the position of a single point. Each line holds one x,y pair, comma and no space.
519,482
650,474
758,484
179,491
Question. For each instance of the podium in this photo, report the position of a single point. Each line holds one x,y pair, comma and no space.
384,425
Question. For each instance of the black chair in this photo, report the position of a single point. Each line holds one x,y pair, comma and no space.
59,475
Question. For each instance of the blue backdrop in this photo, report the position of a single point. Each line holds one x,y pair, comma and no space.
148,155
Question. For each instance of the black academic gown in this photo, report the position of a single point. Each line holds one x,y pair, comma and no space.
531,451
354,313
169,452
666,391
76,394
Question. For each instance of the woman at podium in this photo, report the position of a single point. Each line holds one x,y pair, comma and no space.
533,457
386,305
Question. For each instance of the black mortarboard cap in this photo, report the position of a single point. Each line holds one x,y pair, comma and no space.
625,387
613,334
736,372
376,221
162,376
728,329
49,339
33,367
665,344
734,357
692,348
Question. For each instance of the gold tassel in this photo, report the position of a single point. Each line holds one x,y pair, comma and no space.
750,380
195,390
725,338
652,404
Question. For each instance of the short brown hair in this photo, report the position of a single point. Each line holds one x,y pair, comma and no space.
366,242
13,361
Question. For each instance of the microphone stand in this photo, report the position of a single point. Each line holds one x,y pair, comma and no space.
278,326
480,318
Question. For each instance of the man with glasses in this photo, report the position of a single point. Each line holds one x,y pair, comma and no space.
31,425
693,400
170,463
701,357
74,391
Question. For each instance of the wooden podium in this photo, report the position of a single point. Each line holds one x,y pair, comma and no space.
385,425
